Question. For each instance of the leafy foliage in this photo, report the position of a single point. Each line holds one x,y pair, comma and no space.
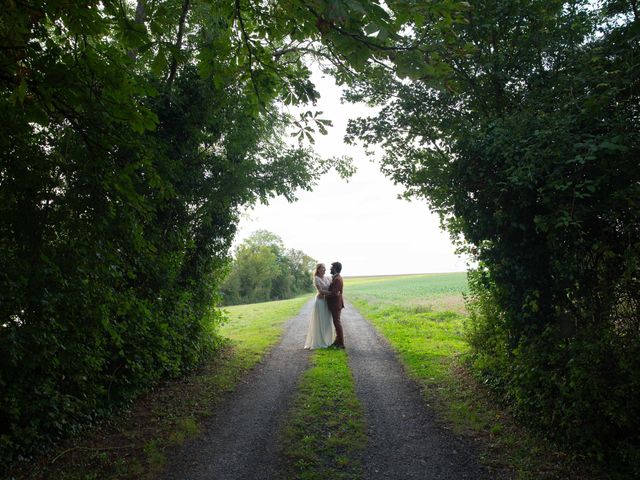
525,139
130,140
263,270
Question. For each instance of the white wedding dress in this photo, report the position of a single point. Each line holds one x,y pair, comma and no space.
321,331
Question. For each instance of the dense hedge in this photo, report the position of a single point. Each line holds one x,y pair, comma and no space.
528,146
108,280
556,303
129,143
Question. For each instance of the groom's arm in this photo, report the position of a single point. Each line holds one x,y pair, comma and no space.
335,288
339,286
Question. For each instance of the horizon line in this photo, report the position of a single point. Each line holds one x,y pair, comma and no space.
402,274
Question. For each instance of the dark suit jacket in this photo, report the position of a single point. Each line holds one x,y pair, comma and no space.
335,301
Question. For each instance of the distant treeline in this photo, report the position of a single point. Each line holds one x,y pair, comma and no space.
263,269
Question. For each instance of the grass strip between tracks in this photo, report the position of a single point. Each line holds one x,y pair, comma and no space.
325,434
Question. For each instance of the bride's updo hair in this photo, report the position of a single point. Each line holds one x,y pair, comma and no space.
315,273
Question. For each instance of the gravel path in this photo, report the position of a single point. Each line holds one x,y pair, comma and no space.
404,440
239,440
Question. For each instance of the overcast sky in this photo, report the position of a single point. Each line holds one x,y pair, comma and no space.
360,223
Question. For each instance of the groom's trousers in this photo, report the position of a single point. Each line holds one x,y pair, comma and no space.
335,314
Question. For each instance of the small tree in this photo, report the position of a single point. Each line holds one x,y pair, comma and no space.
263,269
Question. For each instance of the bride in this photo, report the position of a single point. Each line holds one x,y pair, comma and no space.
321,331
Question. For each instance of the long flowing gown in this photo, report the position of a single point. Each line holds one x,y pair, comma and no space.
321,331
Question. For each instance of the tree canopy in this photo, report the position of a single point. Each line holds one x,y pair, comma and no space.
133,133
131,136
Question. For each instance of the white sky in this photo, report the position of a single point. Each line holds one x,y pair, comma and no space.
360,223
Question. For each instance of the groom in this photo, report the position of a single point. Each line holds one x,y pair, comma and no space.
336,303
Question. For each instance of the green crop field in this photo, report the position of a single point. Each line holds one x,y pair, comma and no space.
422,316
434,291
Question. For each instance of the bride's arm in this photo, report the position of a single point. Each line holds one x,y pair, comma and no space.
318,284
324,290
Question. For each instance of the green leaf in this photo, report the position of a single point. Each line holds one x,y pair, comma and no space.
160,62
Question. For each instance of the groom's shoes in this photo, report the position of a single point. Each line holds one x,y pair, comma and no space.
336,345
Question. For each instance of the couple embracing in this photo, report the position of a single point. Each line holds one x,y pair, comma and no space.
325,317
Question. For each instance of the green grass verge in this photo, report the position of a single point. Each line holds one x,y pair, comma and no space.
426,341
430,341
254,328
325,436
135,445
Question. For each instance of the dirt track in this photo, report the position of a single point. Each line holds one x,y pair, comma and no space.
238,442
405,442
